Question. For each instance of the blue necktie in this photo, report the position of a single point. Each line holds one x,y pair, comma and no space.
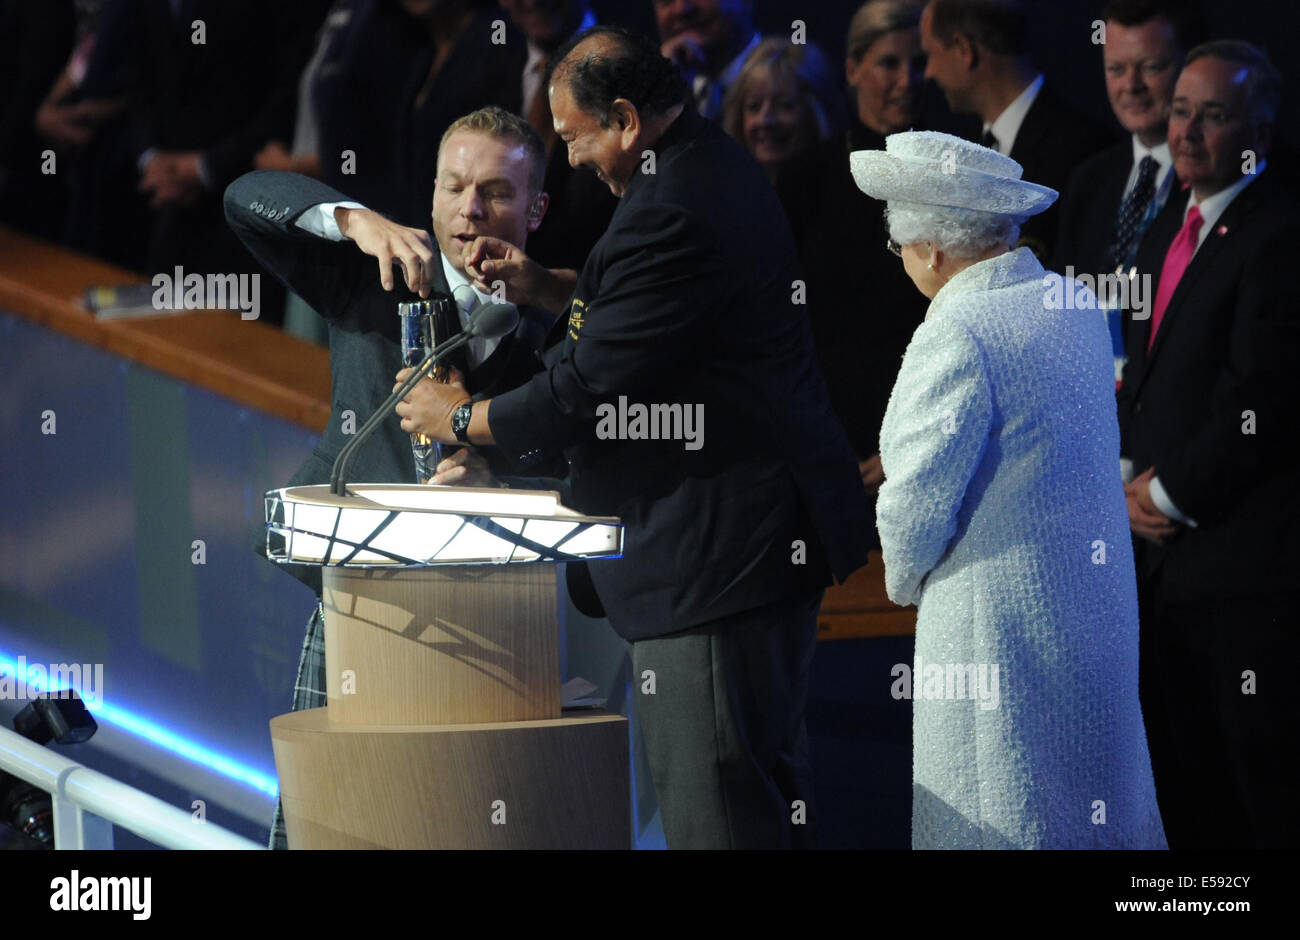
1132,211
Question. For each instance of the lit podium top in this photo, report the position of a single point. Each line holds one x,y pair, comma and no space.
442,674
409,525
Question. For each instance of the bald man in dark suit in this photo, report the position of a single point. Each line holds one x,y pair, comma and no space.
1208,413
730,537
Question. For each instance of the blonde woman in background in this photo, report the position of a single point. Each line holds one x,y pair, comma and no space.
783,101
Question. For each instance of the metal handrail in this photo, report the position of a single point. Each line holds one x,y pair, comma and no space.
83,799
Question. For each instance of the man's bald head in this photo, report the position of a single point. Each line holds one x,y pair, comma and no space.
607,63
595,43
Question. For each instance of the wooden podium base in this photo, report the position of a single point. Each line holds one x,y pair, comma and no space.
544,784
442,645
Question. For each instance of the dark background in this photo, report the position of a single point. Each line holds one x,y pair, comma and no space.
1063,39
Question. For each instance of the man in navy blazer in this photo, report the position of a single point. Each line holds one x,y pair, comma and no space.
978,53
1208,412
1113,197
737,514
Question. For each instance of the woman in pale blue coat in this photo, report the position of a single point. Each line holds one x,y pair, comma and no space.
1002,518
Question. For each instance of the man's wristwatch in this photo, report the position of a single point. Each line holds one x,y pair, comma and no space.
460,422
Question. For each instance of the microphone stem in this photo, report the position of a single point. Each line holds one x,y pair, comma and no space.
337,486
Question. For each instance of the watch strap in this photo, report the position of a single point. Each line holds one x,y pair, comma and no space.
460,422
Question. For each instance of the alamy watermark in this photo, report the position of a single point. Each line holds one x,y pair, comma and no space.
935,681
1104,292
657,422
102,893
181,291
57,680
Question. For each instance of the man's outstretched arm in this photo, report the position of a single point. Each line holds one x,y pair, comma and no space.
315,240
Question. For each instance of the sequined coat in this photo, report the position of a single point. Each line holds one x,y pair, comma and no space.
1002,517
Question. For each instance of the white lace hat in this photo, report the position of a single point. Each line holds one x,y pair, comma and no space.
932,169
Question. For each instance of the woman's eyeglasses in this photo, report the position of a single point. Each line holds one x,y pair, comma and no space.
894,248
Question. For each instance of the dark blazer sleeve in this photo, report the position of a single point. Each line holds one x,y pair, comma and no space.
1220,463
1052,142
1124,412
1150,259
661,278
1066,251
262,208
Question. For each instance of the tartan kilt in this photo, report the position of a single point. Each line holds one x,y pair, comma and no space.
308,692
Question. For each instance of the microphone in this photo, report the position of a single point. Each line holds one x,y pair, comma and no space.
491,321
488,321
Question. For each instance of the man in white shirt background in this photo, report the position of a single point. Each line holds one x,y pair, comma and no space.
1208,409
581,204
1113,197
978,54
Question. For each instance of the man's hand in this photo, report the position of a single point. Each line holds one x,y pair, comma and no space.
489,260
387,241
1144,518
464,468
63,124
428,407
686,50
73,125
172,179
158,180
873,474
275,157
185,167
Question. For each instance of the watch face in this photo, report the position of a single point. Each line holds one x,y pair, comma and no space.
460,421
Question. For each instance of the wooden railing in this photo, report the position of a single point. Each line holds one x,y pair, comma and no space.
245,360
859,607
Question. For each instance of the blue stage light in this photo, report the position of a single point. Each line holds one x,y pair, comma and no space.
162,737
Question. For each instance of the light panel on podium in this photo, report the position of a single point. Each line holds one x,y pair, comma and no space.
415,526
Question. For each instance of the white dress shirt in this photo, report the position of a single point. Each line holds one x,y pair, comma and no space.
1007,125
532,77
319,220
1164,176
1212,208
709,92
531,81
479,348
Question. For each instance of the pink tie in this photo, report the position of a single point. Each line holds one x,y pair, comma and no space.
1177,259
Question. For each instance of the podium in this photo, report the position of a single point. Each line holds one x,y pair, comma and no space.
443,726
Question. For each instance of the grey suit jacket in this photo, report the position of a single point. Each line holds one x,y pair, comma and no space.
341,284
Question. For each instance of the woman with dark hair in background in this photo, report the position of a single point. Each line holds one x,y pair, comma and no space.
783,102
862,306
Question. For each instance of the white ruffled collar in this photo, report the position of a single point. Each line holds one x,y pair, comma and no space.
1011,267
